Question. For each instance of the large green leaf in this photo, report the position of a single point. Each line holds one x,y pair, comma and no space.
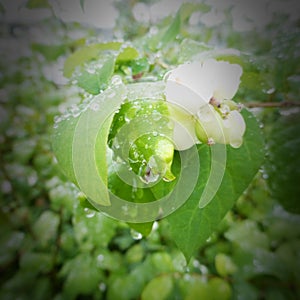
190,225
79,143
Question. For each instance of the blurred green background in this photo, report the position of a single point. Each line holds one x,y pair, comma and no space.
52,247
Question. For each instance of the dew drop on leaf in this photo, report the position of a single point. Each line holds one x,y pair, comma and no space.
116,80
111,94
136,235
95,106
236,144
89,213
100,258
102,286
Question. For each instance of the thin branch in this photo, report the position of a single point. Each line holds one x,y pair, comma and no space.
272,104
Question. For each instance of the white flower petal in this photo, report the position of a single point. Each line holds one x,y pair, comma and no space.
184,135
210,125
194,78
183,96
234,129
223,77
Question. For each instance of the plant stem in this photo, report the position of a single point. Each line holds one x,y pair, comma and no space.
272,104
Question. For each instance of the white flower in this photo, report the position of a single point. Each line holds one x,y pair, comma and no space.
192,85
198,88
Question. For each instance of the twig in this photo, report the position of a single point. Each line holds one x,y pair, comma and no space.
272,104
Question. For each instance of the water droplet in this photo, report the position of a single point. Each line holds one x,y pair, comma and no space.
89,212
116,80
156,116
236,143
170,125
125,209
153,30
116,144
135,154
102,286
203,269
127,119
95,106
155,226
58,119
111,94
270,91
136,235
6,187
100,258
74,111
196,263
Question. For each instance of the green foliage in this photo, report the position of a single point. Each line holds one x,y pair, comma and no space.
242,163
95,79
37,4
50,52
284,161
54,245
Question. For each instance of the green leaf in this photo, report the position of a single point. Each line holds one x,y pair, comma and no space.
128,53
190,225
92,229
255,80
86,54
82,2
267,263
50,52
171,32
82,276
45,228
139,66
88,124
195,288
187,9
36,262
283,161
256,238
190,48
37,4
219,289
95,80
2,9
143,228
158,288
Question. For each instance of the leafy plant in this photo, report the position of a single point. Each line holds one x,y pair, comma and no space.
228,225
